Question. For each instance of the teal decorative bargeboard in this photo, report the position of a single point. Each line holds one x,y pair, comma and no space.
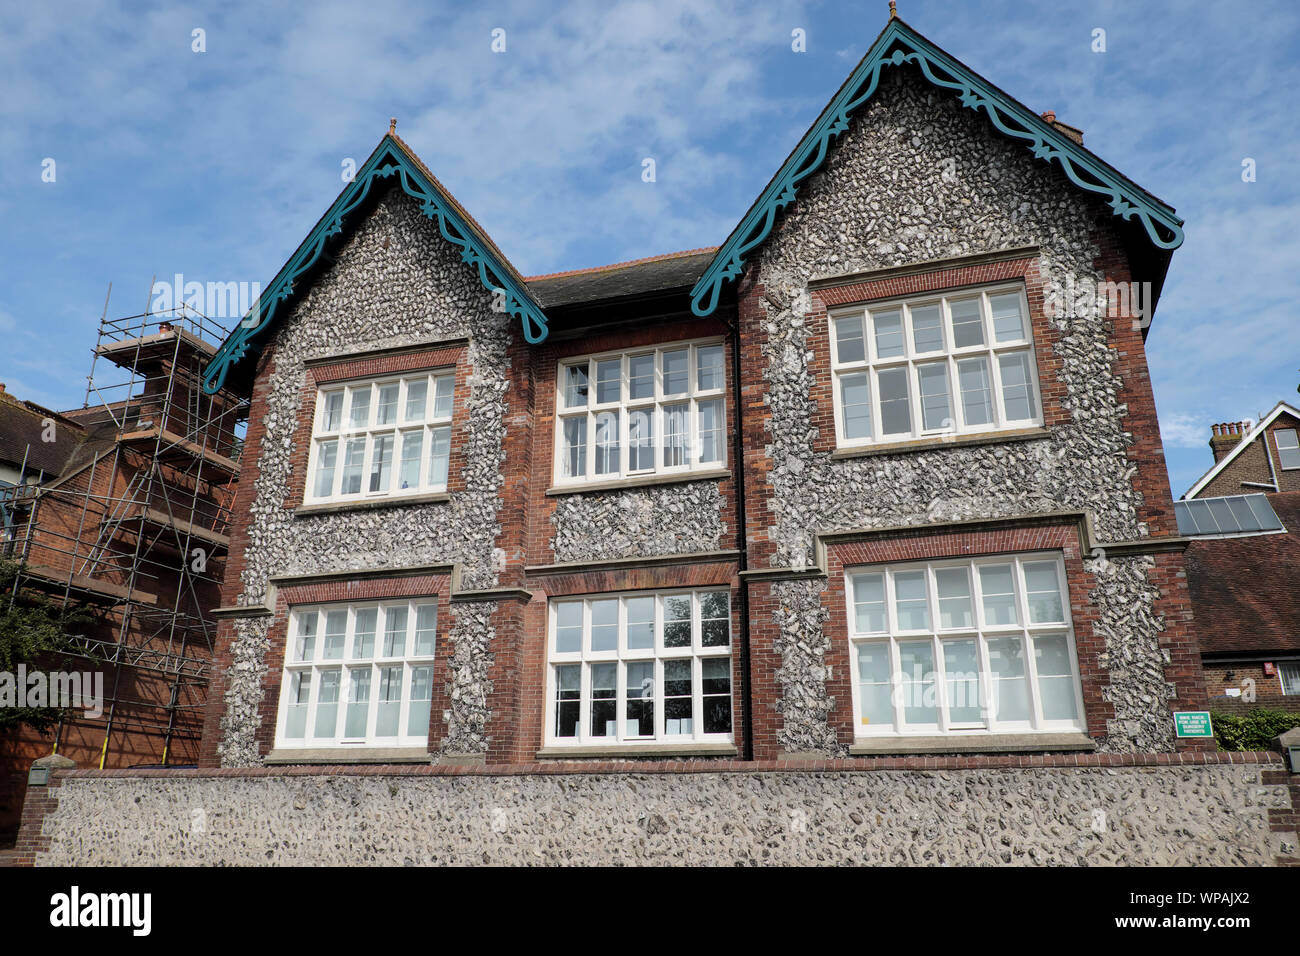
899,44
388,160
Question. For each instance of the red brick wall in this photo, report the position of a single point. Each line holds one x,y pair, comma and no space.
1268,688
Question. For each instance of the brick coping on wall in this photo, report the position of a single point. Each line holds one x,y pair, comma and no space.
585,767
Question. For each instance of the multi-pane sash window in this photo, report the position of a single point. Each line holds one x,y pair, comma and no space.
647,412
958,363
1288,447
640,668
963,647
358,674
381,438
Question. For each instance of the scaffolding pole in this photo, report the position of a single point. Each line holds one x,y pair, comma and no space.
140,530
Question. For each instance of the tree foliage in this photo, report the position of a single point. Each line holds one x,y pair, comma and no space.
33,632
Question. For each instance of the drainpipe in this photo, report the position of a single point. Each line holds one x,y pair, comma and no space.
743,531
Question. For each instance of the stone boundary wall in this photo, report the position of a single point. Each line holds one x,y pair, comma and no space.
1092,809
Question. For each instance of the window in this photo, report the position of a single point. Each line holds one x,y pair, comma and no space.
640,668
1288,447
382,438
1289,674
960,363
955,647
641,413
358,674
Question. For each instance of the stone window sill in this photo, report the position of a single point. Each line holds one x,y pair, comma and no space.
983,743
927,444
644,481
336,507
638,750
340,755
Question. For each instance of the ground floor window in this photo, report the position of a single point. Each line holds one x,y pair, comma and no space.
358,674
958,647
648,667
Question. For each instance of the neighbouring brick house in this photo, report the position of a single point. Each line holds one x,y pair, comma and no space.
1243,564
872,477
117,511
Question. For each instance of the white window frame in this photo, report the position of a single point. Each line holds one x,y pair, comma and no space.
1293,667
432,426
981,632
1293,447
348,664
693,397
696,652
872,364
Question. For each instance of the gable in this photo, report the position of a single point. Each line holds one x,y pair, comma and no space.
896,46
391,163
1251,446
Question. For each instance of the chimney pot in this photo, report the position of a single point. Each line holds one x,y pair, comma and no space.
1050,116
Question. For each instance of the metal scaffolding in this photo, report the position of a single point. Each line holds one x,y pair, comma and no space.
137,526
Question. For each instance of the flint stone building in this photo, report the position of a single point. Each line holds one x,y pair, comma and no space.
861,481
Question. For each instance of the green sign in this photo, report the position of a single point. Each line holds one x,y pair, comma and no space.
1193,723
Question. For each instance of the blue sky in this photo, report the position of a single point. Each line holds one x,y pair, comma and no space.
217,164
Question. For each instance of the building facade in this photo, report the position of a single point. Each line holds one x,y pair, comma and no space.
1243,516
881,474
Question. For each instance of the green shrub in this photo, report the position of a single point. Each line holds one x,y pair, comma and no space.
33,632
1253,730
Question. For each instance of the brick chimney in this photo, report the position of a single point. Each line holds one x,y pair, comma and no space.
1225,438
1072,132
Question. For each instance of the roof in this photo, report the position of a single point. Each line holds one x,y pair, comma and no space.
22,434
1245,590
1260,428
637,277
899,44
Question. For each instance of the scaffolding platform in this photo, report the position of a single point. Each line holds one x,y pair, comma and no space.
119,530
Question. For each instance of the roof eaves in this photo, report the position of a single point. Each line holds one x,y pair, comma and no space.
391,158
1008,115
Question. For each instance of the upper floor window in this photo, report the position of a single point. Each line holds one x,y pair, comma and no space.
963,647
389,436
644,412
640,668
958,363
358,674
1288,447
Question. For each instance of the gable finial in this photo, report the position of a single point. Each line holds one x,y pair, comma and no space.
392,126
893,10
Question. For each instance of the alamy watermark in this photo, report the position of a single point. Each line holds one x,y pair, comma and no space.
1086,298
216,300
59,689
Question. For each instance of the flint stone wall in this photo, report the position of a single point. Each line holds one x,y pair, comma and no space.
396,282
638,522
1163,816
918,177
